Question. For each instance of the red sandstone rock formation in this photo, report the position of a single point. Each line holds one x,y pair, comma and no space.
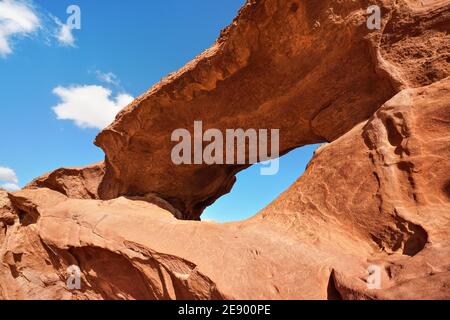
377,194
309,68
78,183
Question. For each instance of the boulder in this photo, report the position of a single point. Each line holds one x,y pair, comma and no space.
78,183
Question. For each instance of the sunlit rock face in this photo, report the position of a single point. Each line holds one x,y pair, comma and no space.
369,219
312,69
78,183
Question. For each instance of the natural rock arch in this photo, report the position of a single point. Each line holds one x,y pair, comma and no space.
313,72
376,195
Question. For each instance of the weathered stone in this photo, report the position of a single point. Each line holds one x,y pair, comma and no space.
78,183
376,197
309,68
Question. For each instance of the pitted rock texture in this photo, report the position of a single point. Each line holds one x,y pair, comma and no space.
386,183
376,194
78,183
309,68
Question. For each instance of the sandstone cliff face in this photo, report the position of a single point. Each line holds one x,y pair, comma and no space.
309,68
386,183
377,194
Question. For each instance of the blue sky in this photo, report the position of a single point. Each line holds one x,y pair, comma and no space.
252,191
122,49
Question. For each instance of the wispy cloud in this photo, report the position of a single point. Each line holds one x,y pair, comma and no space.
64,34
89,106
109,78
8,179
17,18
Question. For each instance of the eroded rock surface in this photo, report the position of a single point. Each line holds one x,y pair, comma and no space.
309,68
378,194
78,183
386,183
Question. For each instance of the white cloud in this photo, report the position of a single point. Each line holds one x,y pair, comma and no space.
8,179
17,17
109,78
10,187
89,106
8,175
64,33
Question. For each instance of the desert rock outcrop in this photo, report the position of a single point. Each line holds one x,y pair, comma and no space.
78,183
309,68
377,193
